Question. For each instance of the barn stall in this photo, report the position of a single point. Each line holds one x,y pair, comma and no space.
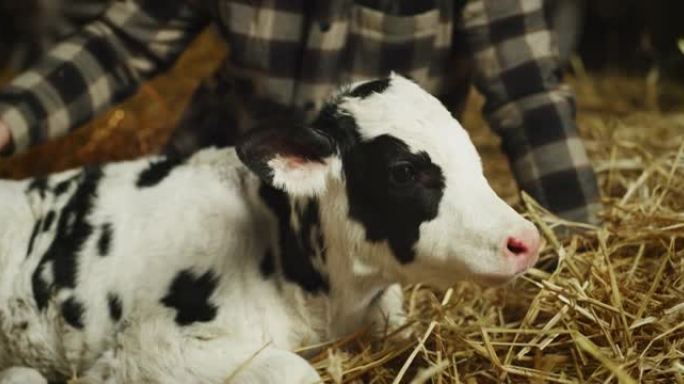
612,310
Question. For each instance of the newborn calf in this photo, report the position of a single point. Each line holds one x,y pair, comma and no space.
214,268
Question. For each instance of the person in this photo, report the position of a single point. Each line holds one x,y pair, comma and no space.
30,27
290,55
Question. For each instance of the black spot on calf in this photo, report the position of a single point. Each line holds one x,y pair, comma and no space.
310,232
391,209
38,184
189,296
104,242
295,254
34,233
370,87
338,125
115,307
49,219
41,289
267,265
72,312
61,187
157,171
73,229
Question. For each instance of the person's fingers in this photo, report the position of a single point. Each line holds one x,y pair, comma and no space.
5,137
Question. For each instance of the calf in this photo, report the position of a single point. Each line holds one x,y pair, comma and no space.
214,268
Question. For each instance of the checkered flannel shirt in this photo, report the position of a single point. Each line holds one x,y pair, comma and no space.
25,40
296,52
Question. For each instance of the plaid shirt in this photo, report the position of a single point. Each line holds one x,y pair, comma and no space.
294,53
29,28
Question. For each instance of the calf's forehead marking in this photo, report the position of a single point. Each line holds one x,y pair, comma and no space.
400,108
405,111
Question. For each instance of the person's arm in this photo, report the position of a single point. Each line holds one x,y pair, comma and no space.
517,69
100,65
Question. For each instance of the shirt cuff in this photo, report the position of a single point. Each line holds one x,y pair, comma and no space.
13,118
512,115
547,155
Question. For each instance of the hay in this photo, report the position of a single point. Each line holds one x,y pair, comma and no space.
613,310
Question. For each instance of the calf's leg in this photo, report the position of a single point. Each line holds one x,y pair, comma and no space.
21,375
272,365
156,350
232,362
386,314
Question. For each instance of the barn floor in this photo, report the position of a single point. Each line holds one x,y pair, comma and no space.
612,312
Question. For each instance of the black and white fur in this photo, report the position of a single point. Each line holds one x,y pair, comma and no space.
214,268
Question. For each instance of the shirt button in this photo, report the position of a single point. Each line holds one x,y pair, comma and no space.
324,25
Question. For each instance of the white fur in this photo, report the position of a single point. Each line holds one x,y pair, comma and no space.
207,215
21,375
300,178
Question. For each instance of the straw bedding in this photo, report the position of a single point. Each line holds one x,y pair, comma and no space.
613,309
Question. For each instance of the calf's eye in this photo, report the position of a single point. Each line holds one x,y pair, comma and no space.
402,173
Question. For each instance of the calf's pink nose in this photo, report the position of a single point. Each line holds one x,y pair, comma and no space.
523,248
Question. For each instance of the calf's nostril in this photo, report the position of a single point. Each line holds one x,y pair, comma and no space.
516,246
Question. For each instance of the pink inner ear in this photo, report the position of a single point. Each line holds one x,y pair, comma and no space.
294,162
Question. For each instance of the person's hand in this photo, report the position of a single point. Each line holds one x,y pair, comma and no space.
5,136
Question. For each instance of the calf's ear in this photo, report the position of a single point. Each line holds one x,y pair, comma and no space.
293,158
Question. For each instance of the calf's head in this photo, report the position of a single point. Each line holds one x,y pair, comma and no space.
410,179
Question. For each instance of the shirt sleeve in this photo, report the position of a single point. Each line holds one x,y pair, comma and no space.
517,69
98,66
